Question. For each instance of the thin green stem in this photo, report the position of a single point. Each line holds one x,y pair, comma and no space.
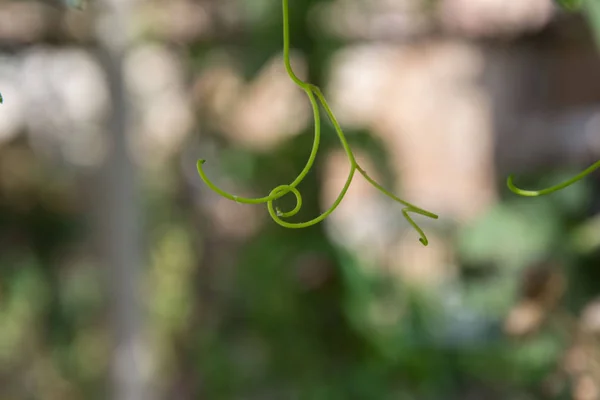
542,192
280,191
591,9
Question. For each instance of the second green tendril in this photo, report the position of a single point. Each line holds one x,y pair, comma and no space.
569,5
542,192
314,94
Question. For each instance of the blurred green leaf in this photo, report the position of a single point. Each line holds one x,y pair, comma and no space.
511,234
570,5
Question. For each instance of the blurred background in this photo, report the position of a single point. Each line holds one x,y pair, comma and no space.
122,276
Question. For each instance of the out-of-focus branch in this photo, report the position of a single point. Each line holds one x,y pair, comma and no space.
120,230
181,21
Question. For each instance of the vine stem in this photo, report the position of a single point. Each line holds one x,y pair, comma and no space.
551,189
313,93
591,9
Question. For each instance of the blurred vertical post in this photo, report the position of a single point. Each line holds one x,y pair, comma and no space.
119,210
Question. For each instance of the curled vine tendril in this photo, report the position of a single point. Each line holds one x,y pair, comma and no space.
314,94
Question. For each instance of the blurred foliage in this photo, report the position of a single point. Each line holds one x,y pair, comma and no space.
286,314
571,5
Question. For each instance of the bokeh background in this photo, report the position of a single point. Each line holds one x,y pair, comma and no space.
122,276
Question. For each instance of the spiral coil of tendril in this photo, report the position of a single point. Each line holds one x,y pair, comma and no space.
314,94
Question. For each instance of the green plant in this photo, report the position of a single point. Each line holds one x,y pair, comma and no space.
569,182
314,93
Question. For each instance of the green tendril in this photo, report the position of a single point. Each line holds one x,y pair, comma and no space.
569,5
314,94
534,193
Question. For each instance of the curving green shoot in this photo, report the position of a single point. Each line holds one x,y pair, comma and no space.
314,94
569,5
535,193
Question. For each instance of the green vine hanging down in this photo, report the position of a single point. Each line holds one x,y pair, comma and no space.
314,94
569,5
